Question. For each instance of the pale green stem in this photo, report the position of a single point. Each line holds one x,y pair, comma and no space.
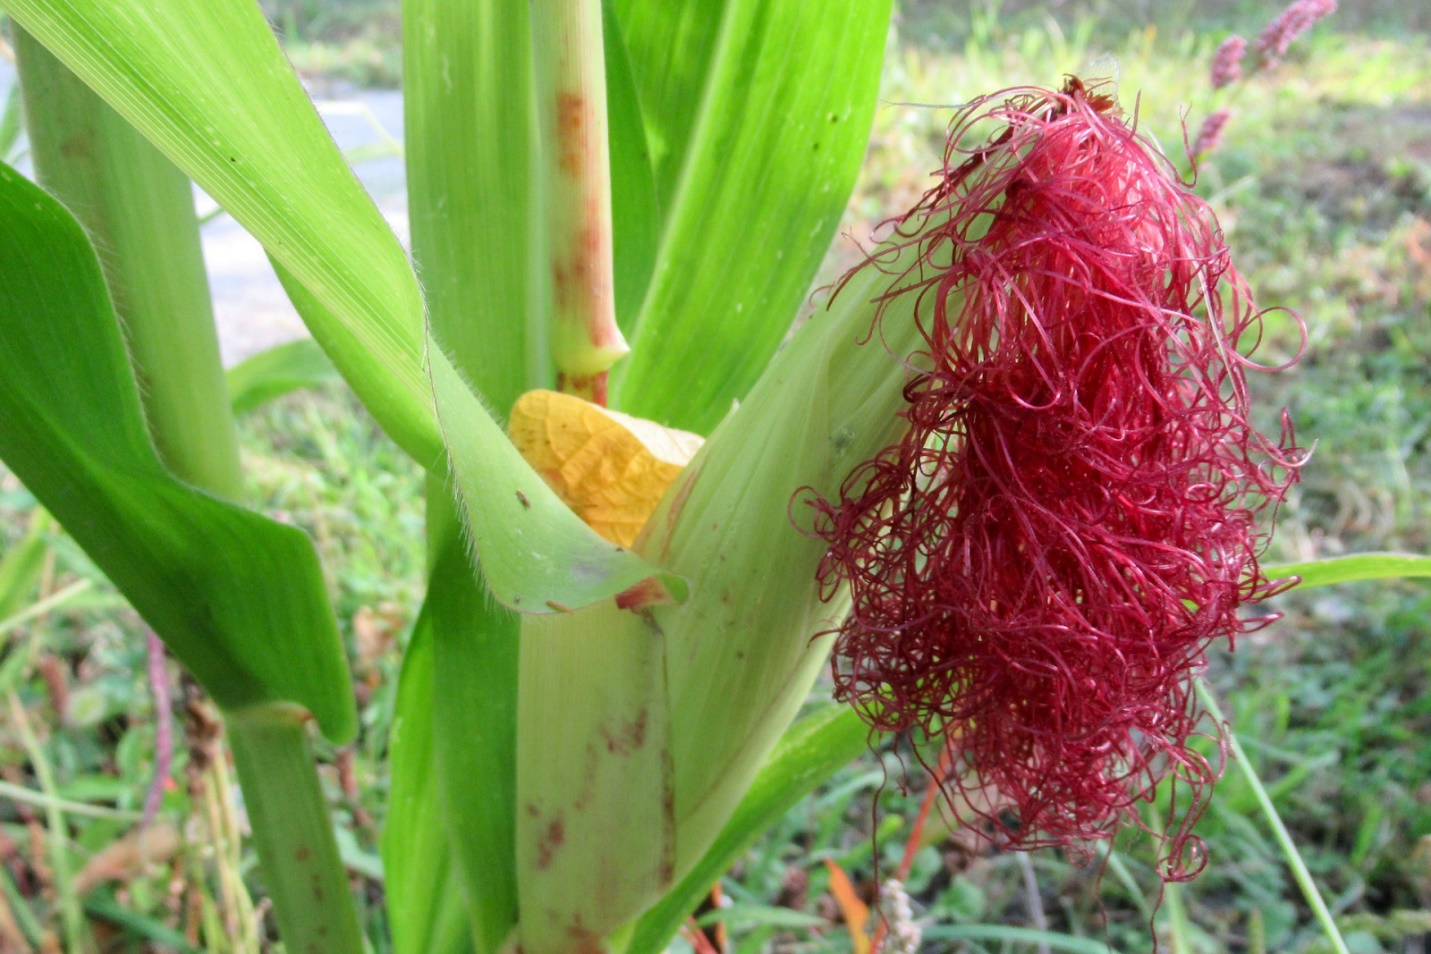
1300,874
139,210
570,68
292,830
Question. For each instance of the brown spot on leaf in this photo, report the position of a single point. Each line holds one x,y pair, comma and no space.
584,941
649,592
588,779
591,387
552,839
627,737
79,146
570,118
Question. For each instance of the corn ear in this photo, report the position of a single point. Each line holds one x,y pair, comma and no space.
639,732
595,821
741,653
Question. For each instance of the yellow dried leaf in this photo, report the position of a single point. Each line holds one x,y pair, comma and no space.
610,468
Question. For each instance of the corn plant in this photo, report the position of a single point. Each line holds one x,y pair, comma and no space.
617,210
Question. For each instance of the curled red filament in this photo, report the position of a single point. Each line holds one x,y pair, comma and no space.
1038,568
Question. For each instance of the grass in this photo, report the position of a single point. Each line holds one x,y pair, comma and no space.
1324,186
355,42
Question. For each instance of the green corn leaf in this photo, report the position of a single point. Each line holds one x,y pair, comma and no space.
535,554
474,210
742,655
474,707
424,899
634,219
209,85
672,49
279,370
474,204
809,753
240,599
758,114
1347,569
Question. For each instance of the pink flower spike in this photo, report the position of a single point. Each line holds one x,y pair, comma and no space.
1291,23
1227,62
1037,569
1209,137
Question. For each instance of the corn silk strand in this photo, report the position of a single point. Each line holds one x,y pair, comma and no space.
1039,566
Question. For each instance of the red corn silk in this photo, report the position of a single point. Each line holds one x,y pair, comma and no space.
1038,568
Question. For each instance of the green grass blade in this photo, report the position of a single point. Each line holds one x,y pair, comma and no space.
759,115
424,898
1348,569
32,931
136,926
22,564
35,610
762,915
1310,892
1026,938
239,599
535,554
810,752
474,649
470,129
19,793
210,87
280,370
76,931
